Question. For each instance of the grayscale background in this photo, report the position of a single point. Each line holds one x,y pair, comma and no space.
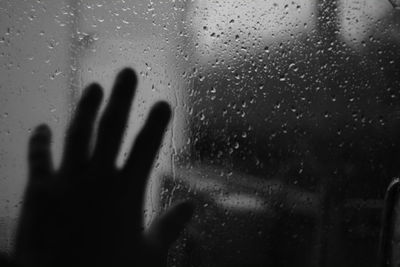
286,126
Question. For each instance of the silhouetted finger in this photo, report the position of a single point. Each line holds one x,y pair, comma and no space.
39,155
145,149
167,228
77,145
113,122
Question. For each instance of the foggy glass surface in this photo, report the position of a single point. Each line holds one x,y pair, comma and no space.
286,115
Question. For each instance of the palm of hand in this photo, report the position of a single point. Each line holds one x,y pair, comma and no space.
89,212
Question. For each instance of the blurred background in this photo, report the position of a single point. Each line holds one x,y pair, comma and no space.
286,119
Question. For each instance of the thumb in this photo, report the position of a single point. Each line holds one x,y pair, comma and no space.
166,229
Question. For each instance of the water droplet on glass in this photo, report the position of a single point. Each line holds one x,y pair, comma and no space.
395,3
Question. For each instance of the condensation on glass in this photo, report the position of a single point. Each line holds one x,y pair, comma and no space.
286,126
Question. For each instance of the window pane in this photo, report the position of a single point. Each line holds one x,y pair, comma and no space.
293,132
286,115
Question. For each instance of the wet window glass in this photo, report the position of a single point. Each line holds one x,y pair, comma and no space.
286,125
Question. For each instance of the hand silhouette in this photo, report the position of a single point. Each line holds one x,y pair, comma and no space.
89,212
